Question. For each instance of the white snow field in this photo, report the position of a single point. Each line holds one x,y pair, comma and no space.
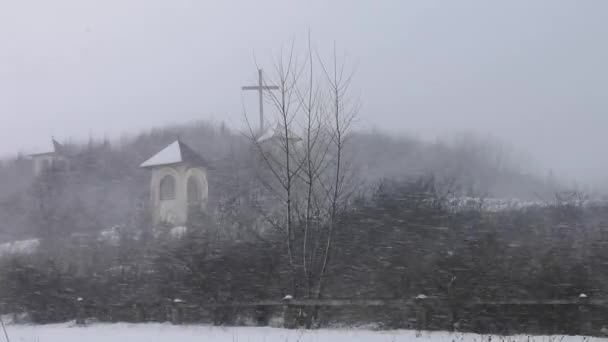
122,332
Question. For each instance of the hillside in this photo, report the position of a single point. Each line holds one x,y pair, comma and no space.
105,187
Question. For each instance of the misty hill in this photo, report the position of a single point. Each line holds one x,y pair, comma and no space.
104,186
470,165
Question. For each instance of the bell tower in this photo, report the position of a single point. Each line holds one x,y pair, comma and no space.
178,183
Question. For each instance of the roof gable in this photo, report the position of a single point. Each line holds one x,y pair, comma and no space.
278,133
175,153
53,148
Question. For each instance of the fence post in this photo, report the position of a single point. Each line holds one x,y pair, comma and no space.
584,311
421,313
175,314
137,313
176,311
287,314
80,314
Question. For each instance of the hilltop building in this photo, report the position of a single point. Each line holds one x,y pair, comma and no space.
178,184
53,157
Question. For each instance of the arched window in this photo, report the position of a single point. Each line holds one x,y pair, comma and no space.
194,191
167,188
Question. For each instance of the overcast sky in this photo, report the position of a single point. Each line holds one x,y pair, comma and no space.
533,73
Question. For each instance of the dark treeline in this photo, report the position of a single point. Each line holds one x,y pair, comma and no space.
400,243
398,238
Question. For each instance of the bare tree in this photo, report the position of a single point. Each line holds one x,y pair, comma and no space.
341,117
307,172
278,153
314,160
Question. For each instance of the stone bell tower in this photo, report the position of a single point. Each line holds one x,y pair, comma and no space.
178,183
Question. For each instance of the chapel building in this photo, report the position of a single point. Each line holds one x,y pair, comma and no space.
178,184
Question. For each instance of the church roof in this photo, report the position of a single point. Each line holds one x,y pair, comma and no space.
53,148
277,132
177,152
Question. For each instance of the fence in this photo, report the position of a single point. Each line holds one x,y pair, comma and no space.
580,316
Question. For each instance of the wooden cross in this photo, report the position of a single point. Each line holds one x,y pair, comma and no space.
260,88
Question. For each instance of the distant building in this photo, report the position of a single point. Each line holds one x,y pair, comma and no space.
276,135
178,183
53,157
273,142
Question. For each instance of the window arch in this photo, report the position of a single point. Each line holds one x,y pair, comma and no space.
167,188
194,191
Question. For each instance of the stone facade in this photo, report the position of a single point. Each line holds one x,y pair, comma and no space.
45,162
189,192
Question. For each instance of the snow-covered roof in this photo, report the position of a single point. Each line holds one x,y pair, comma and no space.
176,152
277,132
53,147
178,232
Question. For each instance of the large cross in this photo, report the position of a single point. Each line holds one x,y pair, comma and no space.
260,88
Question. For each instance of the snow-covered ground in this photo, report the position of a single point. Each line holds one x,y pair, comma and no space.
19,247
120,332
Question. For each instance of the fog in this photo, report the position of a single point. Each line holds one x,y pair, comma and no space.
529,73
